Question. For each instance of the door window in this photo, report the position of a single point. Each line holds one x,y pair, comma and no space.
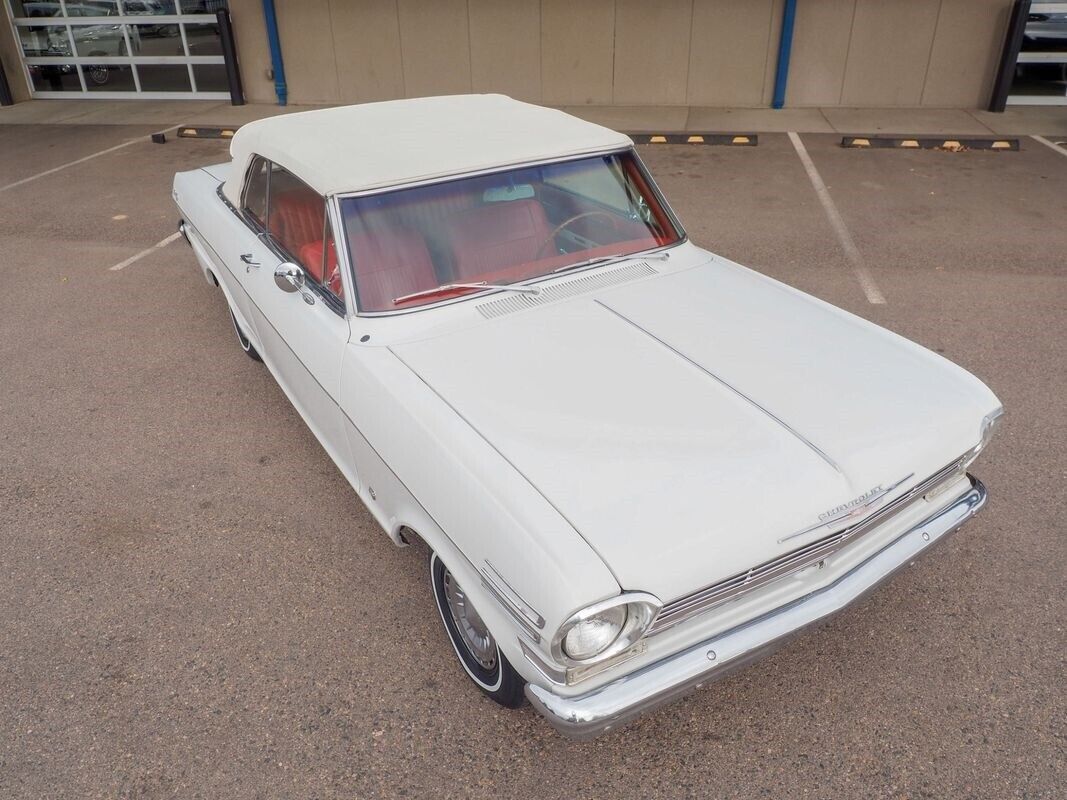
296,222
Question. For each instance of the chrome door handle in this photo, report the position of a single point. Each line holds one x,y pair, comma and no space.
249,263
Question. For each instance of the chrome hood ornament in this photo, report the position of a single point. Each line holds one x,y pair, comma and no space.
853,509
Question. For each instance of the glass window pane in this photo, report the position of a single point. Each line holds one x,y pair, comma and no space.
1042,79
44,40
156,40
211,78
505,227
201,6
331,269
99,40
255,199
164,78
1046,32
204,39
93,8
55,78
148,7
35,8
297,216
109,77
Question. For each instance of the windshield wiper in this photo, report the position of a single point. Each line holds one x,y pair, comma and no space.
447,287
661,256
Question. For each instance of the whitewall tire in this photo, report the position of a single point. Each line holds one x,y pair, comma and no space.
475,646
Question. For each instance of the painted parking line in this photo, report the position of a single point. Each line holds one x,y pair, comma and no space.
1058,148
147,251
852,253
82,160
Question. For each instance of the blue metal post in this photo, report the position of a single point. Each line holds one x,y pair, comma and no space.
277,66
785,45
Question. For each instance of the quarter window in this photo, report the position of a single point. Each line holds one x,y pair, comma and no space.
255,199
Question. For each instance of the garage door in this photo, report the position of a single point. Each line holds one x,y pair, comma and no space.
112,49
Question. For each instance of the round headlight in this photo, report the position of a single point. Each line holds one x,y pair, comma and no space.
603,630
592,636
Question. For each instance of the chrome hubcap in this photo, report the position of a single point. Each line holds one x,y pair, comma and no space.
476,637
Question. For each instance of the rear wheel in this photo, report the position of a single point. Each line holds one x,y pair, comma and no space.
243,340
99,74
477,649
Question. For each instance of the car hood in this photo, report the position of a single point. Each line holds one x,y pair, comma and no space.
685,423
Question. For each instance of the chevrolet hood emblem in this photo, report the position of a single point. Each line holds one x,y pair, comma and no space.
853,509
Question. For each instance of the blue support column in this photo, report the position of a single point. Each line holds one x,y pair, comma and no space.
785,45
277,65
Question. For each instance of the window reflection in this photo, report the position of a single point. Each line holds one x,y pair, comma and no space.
1042,66
164,77
203,39
44,40
109,78
55,78
99,40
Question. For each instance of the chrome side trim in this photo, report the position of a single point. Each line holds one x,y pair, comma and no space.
512,601
605,708
709,597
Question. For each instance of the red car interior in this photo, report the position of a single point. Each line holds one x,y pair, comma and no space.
530,269
442,236
311,257
296,219
390,264
487,237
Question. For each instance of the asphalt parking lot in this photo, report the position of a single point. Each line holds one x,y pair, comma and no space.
193,603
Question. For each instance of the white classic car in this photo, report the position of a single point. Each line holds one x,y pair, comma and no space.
636,465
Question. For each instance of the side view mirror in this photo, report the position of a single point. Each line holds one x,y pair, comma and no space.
289,277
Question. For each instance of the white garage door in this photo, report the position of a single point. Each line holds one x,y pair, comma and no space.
113,49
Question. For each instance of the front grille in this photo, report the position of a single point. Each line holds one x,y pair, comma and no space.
700,601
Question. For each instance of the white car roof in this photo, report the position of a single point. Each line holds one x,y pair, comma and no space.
374,145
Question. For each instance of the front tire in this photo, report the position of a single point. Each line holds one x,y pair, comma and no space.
475,646
243,340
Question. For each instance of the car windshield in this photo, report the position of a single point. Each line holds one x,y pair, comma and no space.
413,246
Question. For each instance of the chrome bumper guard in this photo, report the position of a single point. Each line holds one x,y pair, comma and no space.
587,715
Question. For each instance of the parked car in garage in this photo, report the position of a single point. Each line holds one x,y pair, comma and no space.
636,464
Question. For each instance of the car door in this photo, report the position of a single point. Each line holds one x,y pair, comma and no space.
302,330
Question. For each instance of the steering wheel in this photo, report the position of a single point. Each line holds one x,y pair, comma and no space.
568,222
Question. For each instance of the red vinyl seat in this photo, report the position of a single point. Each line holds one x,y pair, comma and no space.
390,264
296,219
498,235
310,256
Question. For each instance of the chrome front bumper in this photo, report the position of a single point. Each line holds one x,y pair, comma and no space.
605,708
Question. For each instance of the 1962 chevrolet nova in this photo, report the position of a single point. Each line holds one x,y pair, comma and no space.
637,465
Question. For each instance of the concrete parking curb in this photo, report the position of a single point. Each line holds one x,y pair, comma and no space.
206,132
951,144
729,139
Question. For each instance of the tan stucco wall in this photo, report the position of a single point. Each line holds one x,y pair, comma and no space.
860,53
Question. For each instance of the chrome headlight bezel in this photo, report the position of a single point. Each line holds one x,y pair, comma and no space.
641,610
